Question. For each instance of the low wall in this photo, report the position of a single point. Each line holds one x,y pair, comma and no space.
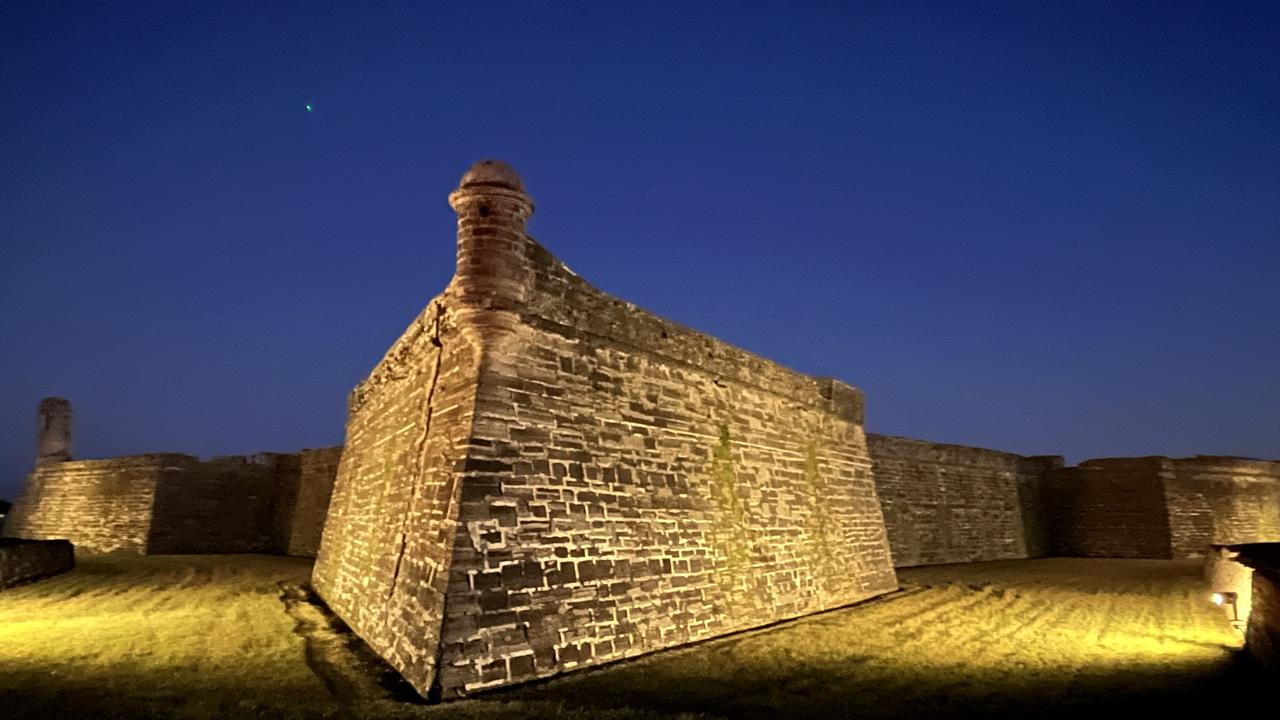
951,503
99,505
172,503
1222,501
22,561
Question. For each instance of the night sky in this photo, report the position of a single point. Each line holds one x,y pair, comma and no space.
1037,228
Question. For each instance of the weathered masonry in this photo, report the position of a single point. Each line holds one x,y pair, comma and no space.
539,477
24,561
1157,507
171,503
952,503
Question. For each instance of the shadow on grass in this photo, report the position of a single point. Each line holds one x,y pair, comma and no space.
1038,643
867,687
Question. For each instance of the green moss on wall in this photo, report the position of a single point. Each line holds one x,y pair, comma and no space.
731,535
819,525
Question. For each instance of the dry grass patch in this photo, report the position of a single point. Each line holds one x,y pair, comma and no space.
212,636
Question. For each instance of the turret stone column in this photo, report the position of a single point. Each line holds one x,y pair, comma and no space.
54,444
493,267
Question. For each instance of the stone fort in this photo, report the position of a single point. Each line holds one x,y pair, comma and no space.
539,477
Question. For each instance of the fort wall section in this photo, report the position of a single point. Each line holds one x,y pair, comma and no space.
1157,507
226,505
1112,507
99,505
169,503
23,561
581,481
647,486
951,503
384,560
1222,501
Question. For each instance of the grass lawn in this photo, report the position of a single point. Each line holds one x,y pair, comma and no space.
230,636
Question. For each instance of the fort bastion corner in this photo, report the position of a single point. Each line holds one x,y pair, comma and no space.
539,477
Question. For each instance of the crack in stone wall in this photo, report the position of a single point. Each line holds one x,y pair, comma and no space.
420,447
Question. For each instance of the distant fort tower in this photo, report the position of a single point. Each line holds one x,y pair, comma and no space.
54,443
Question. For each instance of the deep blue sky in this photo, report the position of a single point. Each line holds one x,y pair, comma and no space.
1039,228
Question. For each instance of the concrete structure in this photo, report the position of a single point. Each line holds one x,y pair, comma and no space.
950,503
539,477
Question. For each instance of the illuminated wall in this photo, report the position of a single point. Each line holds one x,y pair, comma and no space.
951,503
23,561
303,503
540,477
99,505
1157,507
1113,507
384,559
172,503
1223,501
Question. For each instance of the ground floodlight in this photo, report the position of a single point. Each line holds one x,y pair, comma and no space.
1227,599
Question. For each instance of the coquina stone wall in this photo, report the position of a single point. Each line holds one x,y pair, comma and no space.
304,501
384,559
22,561
99,505
1222,501
951,503
172,503
1157,507
539,477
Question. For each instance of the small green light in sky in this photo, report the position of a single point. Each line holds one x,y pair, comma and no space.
310,107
